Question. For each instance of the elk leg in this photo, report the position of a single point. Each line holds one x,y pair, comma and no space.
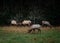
33,30
39,30
29,30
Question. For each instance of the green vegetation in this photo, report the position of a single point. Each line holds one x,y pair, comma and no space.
50,36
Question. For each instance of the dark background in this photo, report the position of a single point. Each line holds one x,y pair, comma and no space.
30,9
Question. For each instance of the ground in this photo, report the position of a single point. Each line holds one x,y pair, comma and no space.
21,29
14,34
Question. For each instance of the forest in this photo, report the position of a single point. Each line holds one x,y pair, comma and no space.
29,9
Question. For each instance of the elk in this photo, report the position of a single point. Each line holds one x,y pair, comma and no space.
13,22
35,27
26,22
46,23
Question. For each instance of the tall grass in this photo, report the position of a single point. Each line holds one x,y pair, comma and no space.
50,36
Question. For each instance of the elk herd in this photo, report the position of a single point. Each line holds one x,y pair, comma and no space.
31,25
24,22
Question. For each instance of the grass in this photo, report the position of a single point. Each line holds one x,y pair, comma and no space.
49,36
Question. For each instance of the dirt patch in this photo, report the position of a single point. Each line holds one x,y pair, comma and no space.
22,29
15,29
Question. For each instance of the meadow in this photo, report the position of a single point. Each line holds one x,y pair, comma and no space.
14,34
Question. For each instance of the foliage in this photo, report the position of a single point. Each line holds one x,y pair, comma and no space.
38,9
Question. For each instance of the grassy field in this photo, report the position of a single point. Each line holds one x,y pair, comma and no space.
13,34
